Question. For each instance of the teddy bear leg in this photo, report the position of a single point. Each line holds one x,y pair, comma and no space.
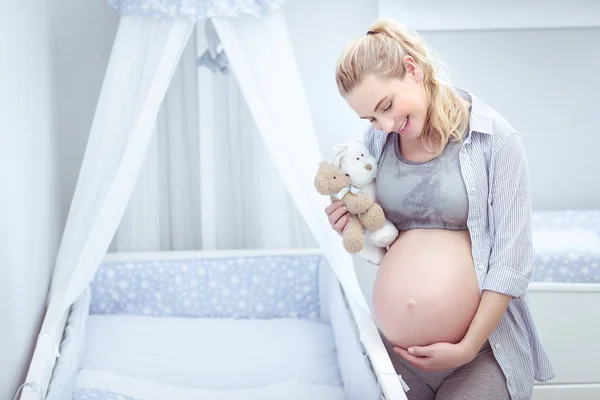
374,218
372,253
354,236
385,236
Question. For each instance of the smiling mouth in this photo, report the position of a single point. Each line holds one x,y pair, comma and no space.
403,125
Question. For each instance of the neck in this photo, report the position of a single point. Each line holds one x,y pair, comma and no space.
414,149
414,145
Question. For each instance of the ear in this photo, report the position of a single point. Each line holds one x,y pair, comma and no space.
413,69
339,151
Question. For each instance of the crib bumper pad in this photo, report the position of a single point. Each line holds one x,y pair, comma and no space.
566,246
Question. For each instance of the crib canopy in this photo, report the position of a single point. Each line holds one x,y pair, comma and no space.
195,10
150,39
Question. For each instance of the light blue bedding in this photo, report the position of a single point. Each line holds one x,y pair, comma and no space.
566,246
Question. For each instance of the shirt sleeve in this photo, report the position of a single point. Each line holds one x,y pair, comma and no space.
511,258
374,141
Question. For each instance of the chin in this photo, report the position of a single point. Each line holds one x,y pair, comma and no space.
411,134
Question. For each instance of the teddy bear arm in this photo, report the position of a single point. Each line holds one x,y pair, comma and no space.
374,218
359,203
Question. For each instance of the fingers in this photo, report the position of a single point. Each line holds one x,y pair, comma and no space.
419,351
332,207
419,362
341,223
334,211
337,215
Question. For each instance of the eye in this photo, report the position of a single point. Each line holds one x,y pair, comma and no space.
358,158
348,175
334,177
388,107
362,155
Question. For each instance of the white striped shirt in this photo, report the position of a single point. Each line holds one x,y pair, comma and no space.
495,172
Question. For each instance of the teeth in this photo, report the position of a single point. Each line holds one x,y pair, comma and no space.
403,124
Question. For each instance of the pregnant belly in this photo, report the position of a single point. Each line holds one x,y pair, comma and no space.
426,288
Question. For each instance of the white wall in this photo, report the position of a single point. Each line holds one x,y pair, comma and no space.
29,196
546,83
83,35
319,31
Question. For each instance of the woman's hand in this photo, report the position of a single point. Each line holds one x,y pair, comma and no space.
338,216
438,356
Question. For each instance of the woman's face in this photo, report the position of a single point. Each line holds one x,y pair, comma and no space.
393,105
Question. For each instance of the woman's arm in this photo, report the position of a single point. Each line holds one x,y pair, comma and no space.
511,260
510,264
492,307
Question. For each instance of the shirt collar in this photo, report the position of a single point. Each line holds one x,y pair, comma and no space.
480,119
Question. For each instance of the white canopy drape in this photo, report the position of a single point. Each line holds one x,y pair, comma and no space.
163,212
265,66
144,56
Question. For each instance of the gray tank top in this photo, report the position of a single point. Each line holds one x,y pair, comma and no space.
431,194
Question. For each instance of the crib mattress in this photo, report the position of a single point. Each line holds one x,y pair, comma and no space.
212,353
566,246
104,385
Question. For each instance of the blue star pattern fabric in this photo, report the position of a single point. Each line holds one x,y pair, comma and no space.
239,287
566,246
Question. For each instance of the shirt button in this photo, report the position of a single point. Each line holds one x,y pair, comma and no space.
481,267
497,345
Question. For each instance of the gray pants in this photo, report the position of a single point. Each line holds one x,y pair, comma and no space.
481,379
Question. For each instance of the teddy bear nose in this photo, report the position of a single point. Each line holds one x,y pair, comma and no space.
368,167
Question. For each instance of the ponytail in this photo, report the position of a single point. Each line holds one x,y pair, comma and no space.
381,52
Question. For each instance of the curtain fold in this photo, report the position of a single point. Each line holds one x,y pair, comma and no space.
143,59
163,213
261,57
251,207
254,210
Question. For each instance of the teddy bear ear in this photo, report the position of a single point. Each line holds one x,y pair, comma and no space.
323,165
339,151
324,168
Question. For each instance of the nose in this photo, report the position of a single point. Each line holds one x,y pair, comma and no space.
368,167
387,125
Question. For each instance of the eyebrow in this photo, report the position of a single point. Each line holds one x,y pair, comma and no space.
376,106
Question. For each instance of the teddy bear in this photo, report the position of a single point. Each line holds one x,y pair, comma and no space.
364,212
354,159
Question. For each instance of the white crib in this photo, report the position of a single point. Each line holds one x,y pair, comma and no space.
216,326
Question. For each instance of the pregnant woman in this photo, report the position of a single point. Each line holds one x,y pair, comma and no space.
450,294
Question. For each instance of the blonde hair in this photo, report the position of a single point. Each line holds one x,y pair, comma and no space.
381,52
